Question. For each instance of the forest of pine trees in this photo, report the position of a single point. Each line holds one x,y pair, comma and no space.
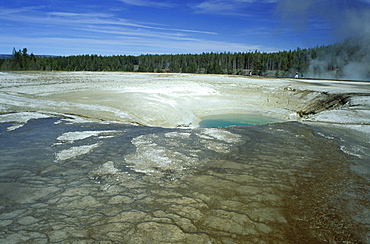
279,64
206,63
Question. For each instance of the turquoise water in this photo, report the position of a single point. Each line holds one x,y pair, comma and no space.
226,120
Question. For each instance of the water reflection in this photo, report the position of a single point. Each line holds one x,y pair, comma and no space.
277,183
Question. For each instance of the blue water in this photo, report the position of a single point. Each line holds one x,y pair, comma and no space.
209,123
226,120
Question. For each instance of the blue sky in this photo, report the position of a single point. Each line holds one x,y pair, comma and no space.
134,27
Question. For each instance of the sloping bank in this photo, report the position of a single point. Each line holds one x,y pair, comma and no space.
172,100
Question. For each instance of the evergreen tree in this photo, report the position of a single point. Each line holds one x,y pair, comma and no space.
332,58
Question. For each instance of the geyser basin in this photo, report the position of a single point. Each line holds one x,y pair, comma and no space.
179,100
64,178
225,120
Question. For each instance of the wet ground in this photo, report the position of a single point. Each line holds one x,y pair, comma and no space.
64,182
119,158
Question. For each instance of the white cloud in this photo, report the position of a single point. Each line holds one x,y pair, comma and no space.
216,7
67,33
346,18
147,3
256,1
227,7
118,31
76,20
124,44
7,11
91,32
79,15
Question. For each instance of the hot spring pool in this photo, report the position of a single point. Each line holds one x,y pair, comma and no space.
225,120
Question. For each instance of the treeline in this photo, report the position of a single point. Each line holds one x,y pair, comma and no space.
279,64
258,63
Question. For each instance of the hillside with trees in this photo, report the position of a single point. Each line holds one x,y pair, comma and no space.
329,60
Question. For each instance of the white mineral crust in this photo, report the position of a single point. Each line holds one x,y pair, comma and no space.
175,100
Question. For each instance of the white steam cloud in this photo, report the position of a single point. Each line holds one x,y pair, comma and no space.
346,19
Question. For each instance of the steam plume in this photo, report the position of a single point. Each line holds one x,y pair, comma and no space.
347,17
348,20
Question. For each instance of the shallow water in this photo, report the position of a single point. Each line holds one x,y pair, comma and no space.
63,182
226,120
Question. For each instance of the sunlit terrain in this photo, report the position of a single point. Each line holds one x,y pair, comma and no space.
124,158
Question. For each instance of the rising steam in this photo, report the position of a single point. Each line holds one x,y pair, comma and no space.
349,23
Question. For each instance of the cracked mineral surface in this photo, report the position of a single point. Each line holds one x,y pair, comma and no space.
119,158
